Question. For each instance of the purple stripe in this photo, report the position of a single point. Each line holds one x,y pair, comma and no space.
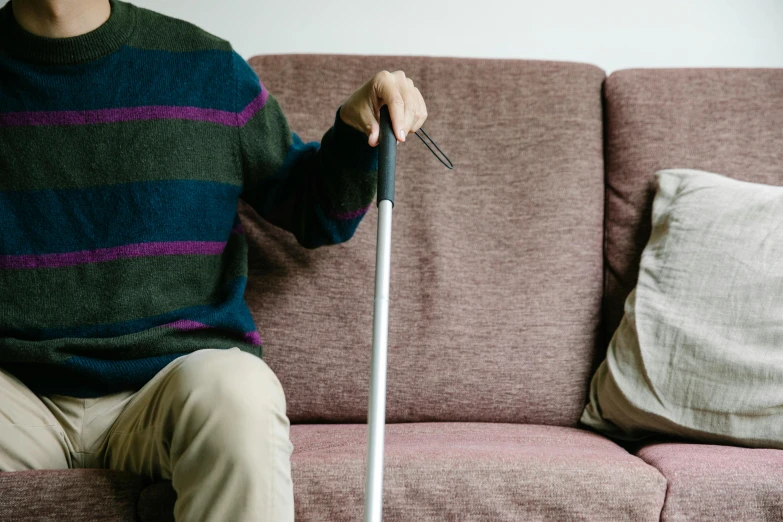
149,112
254,106
186,324
110,254
253,337
350,215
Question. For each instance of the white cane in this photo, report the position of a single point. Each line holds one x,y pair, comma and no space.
376,416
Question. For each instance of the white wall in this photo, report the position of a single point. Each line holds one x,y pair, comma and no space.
612,34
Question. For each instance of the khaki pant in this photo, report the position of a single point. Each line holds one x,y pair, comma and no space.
213,422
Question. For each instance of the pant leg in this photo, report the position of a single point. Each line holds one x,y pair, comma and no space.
214,423
30,435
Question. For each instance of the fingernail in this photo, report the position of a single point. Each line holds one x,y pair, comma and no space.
402,134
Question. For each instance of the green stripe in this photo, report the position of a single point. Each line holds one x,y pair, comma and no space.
88,155
344,188
157,31
347,188
114,291
267,138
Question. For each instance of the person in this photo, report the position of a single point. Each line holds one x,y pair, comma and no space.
126,140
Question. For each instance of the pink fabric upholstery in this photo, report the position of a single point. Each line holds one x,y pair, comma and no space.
496,267
473,471
708,482
78,495
728,121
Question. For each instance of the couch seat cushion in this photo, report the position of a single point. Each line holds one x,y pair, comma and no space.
462,471
713,482
473,471
71,495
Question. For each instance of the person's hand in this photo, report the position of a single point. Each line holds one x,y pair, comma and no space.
406,106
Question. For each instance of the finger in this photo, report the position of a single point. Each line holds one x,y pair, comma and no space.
422,112
411,104
388,94
375,127
376,130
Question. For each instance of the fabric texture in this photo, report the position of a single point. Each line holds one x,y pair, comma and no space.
474,471
708,482
78,495
697,353
468,471
124,154
212,422
495,266
721,120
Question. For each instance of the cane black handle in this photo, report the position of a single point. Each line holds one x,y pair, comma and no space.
387,158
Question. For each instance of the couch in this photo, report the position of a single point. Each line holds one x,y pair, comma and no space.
508,277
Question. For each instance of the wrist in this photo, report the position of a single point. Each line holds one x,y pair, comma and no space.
352,144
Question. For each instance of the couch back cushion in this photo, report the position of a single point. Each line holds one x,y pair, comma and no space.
496,266
728,121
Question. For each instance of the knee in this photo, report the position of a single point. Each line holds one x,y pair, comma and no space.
229,382
231,406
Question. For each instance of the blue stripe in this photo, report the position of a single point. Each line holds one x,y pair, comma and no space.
86,377
248,83
113,375
130,77
74,219
334,231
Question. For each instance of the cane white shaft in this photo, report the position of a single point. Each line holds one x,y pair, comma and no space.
373,500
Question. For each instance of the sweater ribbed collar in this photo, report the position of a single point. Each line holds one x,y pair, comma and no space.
101,41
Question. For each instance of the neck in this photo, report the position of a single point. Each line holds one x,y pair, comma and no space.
60,18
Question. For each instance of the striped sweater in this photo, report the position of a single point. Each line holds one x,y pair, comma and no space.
123,154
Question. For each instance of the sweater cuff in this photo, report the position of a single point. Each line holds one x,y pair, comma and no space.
351,145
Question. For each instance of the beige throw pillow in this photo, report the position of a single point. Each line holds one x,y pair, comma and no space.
699,352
